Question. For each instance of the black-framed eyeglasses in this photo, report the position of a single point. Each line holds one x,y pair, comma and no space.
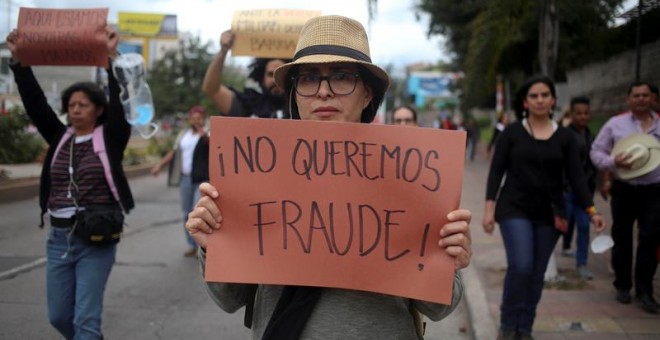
341,83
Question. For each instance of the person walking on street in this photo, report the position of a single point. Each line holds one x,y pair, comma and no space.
502,122
579,109
473,137
533,153
635,194
404,115
331,79
189,165
82,171
261,97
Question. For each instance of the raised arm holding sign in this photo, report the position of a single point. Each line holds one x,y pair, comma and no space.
312,220
270,36
260,97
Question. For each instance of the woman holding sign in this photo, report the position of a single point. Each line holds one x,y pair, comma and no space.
330,79
534,153
82,177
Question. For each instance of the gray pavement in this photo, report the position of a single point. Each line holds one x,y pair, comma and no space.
569,309
153,291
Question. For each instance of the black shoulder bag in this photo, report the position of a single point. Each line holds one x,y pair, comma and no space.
97,225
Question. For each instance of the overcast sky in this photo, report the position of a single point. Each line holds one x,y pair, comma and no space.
395,35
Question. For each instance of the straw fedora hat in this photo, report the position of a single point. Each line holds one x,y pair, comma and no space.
644,151
331,39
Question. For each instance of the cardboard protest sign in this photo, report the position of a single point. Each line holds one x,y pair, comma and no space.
342,205
70,37
268,33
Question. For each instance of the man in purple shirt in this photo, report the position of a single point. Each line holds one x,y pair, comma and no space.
632,199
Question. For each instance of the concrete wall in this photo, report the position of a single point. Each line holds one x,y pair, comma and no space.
606,83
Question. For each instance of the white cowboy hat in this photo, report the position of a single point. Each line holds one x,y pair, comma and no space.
331,39
644,151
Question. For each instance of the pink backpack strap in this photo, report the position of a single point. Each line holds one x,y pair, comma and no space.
68,134
99,149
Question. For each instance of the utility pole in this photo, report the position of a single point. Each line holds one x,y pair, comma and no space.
548,36
638,41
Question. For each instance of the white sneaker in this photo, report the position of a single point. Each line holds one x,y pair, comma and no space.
567,253
585,273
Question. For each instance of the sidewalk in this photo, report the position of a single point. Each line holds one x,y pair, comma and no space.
21,181
568,310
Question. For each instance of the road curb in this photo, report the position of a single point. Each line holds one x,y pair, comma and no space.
27,188
42,260
481,321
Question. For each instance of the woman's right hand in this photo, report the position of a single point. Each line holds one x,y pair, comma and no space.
155,170
488,221
205,218
12,40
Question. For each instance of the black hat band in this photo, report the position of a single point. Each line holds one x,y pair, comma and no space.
332,50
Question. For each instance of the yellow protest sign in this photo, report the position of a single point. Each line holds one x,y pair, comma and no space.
268,33
147,24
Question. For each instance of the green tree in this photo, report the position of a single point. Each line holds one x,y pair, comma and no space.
491,37
18,146
176,79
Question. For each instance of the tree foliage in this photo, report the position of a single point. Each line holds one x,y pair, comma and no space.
18,145
501,37
176,79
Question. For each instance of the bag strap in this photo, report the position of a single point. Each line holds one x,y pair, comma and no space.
418,319
98,142
249,305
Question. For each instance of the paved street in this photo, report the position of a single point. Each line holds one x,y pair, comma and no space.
156,293
153,291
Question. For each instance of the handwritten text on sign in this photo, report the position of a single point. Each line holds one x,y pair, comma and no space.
268,33
352,206
62,36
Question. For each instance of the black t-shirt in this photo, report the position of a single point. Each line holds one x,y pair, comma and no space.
534,172
261,104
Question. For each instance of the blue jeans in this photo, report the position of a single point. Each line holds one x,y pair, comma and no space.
76,275
528,248
578,216
189,195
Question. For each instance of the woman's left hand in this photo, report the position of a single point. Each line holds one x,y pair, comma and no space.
599,222
12,43
113,41
455,237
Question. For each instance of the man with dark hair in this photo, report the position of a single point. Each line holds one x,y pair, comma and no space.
260,98
635,195
579,111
